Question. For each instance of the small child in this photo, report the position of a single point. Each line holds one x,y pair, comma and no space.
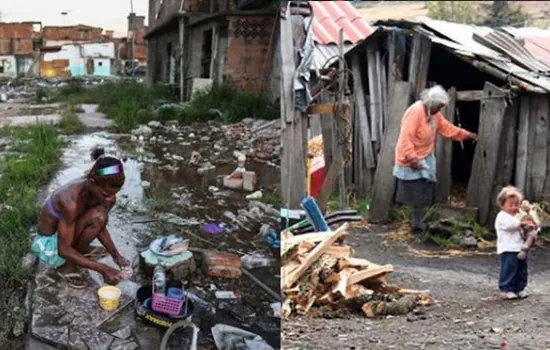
513,271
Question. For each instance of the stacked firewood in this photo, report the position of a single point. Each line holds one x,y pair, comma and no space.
320,277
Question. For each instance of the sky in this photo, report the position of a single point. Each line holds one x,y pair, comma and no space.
107,14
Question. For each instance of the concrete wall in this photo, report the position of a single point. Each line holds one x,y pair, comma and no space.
16,38
158,60
9,66
78,56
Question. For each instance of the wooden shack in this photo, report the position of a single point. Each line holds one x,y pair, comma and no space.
509,111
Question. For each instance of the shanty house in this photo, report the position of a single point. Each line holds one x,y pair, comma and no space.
194,43
74,60
18,45
499,84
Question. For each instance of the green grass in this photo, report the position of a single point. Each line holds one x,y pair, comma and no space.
37,153
273,198
130,103
70,123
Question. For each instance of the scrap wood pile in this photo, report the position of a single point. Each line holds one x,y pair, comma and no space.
320,277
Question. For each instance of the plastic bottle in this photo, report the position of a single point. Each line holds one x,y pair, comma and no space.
159,279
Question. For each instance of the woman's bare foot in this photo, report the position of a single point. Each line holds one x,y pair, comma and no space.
72,276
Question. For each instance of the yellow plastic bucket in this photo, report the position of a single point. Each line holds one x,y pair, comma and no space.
109,297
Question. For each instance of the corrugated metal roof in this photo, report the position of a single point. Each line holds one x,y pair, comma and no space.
535,40
507,45
464,44
322,54
331,16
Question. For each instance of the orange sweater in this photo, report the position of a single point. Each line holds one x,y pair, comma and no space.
417,137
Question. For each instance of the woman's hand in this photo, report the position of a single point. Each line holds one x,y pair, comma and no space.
415,164
473,136
121,261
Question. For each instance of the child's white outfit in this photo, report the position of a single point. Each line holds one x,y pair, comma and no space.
513,271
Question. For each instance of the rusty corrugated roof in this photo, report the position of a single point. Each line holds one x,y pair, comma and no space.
460,39
331,16
535,40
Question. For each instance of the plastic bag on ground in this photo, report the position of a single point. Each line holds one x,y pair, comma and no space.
252,261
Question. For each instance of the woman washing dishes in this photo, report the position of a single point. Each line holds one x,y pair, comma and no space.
76,214
415,163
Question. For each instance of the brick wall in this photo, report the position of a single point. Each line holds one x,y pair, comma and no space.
73,33
16,38
248,57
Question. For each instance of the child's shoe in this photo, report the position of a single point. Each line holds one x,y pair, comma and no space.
523,294
508,295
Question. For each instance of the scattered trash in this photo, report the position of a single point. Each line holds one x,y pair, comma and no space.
276,307
252,261
228,337
169,246
224,294
256,195
213,229
217,264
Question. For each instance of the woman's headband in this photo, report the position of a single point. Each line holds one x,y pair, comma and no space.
111,170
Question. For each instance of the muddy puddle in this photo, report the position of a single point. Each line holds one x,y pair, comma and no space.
160,183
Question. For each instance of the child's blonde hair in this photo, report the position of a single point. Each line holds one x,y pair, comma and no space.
508,192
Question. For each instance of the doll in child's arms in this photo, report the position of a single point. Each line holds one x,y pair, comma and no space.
530,224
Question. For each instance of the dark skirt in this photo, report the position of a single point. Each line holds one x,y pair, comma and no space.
416,193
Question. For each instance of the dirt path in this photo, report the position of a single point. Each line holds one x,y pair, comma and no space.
467,313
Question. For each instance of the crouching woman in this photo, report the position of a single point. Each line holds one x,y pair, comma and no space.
76,214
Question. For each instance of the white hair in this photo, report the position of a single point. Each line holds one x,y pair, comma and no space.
435,95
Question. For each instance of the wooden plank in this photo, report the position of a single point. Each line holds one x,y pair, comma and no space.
315,125
369,273
326,126
397,52
357,155
485,162
384,93
361,107
374,103
384,183
444,155
327,189
546,189
419,63
293,168
290,279
529,193
380,94
288,69
469,95
538,167
321,108
522,143
506,157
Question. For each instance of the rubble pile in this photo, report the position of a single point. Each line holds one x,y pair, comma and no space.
320,277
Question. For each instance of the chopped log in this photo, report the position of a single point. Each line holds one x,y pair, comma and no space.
369,273
314,237
291,278
384,182
321,108
400,306
286,310
341,288
485,163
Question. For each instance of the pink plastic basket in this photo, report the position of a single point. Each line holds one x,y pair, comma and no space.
166,305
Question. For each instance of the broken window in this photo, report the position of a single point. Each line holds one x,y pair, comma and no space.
2,70
206,56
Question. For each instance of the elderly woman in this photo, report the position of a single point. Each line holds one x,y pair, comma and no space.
415,163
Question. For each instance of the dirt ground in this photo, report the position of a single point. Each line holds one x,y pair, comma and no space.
467,313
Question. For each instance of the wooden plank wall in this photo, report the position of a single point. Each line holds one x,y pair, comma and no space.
444,155
486,157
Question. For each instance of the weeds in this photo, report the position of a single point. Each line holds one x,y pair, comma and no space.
70,122
157,198
130,103
273,198
37,154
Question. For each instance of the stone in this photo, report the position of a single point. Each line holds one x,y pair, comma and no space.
142,130
154,124
249,181
145,184
191,135
18,329
29,260
215,113
119,344
195,158
123,333
205,168
234,184
469,241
